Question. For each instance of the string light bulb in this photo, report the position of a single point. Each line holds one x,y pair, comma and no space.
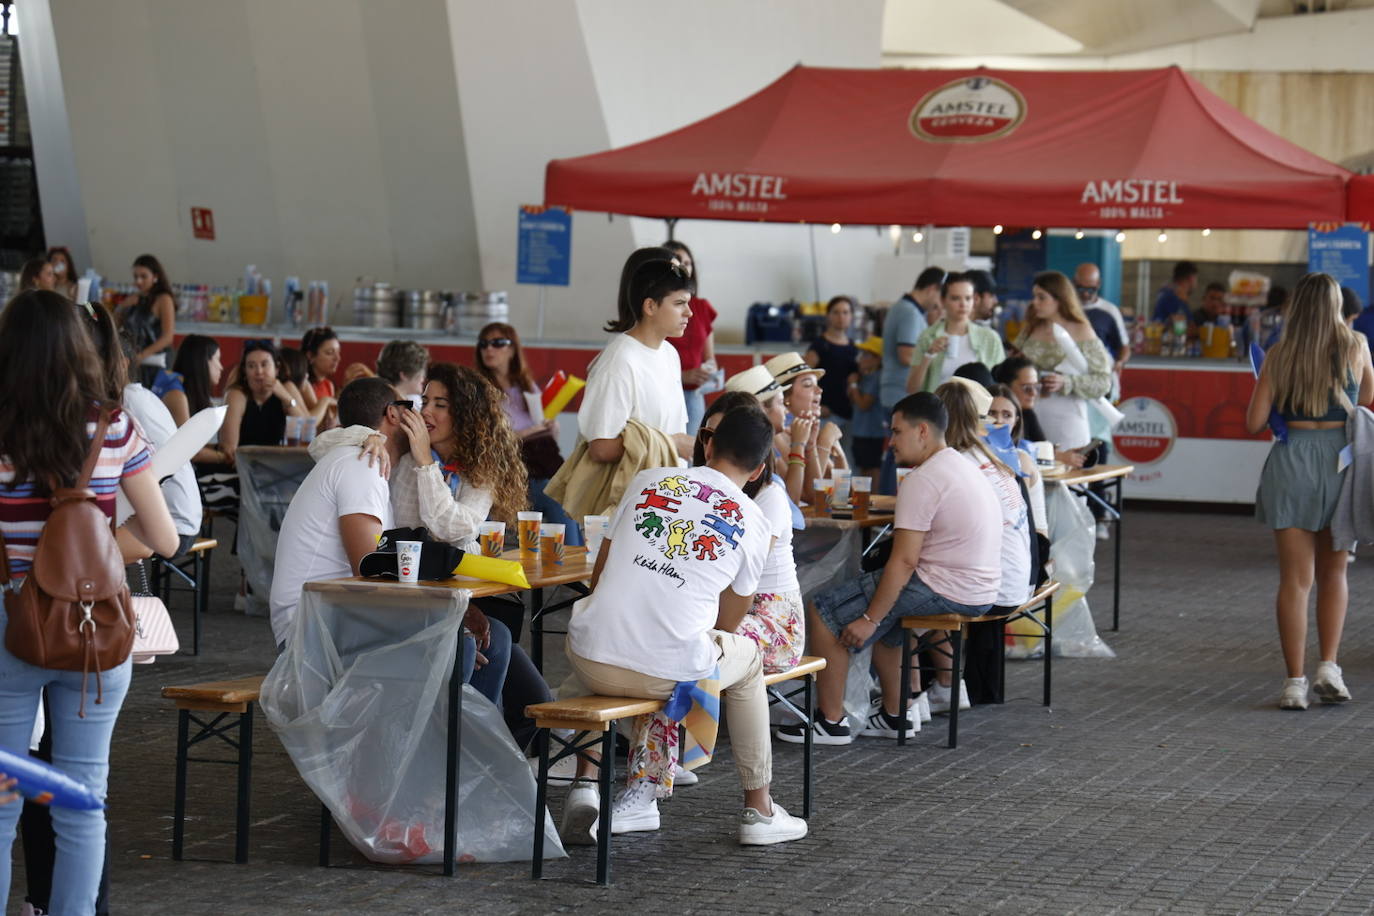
918,237
1078,235
1036,234
894,232
1206,232
1120,237
834,228
1163,237
997,230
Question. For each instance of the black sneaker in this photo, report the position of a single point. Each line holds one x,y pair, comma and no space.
881,725
823,732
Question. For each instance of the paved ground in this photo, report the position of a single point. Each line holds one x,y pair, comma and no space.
1164,780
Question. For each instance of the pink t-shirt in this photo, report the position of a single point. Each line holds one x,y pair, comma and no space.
951,500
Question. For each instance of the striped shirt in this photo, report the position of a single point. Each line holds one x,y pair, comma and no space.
23,511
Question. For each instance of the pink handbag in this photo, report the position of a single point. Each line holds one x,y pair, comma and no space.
154,634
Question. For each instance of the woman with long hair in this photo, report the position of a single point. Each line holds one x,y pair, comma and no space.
151,317
1063,407
189,387
64,271
696,348
501,361
295,372
1314,376
51,400
954,340
837,356
258,402
321,348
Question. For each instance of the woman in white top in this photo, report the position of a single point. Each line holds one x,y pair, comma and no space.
637,376
1063,411
963,434
776,620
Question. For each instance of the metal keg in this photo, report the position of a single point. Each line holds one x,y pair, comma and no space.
376,305
422,309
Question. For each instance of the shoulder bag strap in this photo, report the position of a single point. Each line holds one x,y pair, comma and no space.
97,443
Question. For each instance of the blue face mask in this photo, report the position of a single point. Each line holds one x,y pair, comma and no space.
999,441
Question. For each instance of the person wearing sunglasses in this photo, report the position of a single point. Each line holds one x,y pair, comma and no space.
501,361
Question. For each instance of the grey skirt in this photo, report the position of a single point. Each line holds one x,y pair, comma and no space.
1300,484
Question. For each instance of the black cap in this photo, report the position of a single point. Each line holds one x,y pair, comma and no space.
438,559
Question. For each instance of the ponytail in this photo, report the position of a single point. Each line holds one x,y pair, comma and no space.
649,273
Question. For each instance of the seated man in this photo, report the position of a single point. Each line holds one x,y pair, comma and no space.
946,559
339,512
675,576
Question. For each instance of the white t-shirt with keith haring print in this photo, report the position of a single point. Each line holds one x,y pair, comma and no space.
679,538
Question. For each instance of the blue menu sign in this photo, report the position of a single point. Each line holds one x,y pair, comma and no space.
1343,252
544,245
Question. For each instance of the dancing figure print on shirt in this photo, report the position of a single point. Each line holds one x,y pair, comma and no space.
651,525
677,538
678,485
728,507
705,545
653,500
705,491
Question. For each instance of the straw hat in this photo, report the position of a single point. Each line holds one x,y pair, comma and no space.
786,368
755,380
872,345
982,398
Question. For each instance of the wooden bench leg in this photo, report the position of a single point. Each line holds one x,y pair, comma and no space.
179,803
245,768
605,777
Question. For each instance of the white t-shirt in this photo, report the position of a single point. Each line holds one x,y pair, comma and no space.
310,547
950,500
780,569
180,490
1015,587
679,538
629,381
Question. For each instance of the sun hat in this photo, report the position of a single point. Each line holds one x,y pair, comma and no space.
872,345
755,380
786,368
982,398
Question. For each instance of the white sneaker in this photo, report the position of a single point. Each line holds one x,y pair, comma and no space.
562,773
823,731
580,812
1294,694
939,696
881,725
683,776
635,808
757,830
1104,531
1328,685
926,714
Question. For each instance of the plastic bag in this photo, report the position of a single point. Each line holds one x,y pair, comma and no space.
1072,542
268,479
360,700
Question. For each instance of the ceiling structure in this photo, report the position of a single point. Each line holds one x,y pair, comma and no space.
1076,27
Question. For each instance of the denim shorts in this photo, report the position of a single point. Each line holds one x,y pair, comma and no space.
841,605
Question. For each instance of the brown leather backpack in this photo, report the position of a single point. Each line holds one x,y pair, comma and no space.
73,612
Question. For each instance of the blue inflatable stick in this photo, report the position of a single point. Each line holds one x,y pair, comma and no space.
1276,423
40,782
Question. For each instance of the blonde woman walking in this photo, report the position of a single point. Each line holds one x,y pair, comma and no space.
1314,376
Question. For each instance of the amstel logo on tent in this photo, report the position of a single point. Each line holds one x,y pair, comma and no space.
1147,433
968,110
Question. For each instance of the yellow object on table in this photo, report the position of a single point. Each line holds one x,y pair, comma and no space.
492,570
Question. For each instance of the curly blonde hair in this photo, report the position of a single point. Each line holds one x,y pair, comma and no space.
485,447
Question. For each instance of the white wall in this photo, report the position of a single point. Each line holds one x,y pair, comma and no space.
325,137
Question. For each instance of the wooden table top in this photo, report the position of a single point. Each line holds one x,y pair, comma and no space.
1081,476
880,511
575,568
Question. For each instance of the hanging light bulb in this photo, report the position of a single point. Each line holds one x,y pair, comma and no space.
894,232
1206,232
1163,237
834,228
1036,234
1120,237
1078,235
997,230
918,237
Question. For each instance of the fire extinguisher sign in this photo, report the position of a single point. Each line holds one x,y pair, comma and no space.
203,223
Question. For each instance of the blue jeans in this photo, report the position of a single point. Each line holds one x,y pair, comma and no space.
696,409
554,513
80,749
840,605
490,679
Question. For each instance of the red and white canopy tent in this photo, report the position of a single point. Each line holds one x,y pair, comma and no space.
1108,148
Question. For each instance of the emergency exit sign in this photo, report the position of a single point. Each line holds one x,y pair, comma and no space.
203,223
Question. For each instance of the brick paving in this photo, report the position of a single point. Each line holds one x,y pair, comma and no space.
1164,780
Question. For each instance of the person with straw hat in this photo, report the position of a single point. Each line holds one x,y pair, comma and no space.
810,441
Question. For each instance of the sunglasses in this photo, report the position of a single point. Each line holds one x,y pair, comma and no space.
705,433
403,405
499,343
